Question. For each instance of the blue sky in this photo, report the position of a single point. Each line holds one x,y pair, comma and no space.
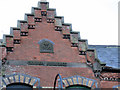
97,20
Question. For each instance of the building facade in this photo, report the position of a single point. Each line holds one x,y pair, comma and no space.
42,47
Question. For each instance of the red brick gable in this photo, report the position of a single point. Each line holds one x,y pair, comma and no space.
29,47
70,54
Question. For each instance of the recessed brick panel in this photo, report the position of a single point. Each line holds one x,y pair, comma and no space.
66,30
37,13
24,27
9,41
30,19
50,14
74,38
16,34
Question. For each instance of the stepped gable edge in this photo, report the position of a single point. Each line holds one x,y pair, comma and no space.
37,13
29,23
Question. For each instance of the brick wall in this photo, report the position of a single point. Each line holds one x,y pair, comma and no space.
29,47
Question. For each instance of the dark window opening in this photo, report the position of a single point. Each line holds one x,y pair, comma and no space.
24,33
66,36
50,20
43,13
82,53
78,87
38,20
31,26
74,44
19,86
9,49
57,28
16,41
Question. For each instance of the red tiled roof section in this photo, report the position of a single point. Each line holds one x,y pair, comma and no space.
47,74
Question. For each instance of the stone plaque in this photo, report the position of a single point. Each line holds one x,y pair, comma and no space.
46,46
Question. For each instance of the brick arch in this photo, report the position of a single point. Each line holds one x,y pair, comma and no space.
79,80
20,78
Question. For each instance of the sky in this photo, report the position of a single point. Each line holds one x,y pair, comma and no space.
96,20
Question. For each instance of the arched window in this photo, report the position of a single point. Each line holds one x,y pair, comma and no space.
78,87
46,46
19,81
19,86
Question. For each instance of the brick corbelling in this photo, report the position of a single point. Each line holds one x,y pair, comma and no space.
47,74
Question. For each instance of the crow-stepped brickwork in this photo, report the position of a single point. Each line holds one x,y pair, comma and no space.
43,46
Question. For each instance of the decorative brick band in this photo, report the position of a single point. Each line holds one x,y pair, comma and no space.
45,63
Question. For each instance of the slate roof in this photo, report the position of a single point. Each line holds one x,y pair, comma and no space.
109,54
